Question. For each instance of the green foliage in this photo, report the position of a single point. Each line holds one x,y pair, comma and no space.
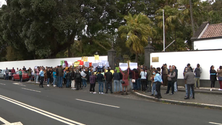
49,28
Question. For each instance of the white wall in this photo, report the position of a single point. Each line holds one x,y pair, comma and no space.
43,62
181,59
208,44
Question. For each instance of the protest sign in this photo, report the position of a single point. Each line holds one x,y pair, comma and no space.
95,64
123,66
96,57
76,63
133,65
86,64
85,58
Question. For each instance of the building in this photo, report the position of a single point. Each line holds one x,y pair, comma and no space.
208,37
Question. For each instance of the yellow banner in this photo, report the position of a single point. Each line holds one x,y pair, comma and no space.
85,59
96,57
76,63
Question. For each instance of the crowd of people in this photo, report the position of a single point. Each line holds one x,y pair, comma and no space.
142,78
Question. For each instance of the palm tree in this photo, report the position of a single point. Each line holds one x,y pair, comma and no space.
136,32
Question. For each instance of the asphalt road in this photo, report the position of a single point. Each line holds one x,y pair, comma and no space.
32,105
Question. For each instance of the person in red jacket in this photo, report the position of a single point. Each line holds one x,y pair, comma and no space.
125,81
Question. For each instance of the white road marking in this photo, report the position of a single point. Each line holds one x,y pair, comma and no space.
31,90
20,84
98,103
8,123
214,123
42,112
2,84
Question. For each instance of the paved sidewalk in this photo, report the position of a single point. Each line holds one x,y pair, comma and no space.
203,98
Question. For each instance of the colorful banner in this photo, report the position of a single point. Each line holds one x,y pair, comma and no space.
76,63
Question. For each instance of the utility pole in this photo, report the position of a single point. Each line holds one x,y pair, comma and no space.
163,32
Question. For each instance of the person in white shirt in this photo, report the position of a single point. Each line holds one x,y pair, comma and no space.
143,75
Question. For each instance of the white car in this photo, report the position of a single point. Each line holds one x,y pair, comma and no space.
2,73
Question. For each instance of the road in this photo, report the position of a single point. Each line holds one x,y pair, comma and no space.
31,105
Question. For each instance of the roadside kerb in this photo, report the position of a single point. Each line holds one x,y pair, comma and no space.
203,105
214,91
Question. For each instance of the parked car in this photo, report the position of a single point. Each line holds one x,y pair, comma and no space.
2,73
25,76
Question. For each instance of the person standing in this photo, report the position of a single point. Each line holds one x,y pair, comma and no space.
92,83
120,81
219,71
158,81
77,79
100,78
213,77
153,90
197,72
20,75
189,77
149,74
125,81
13,71
48,73
176,77
60,75
84,79
184,73
6,73
54,77
68,78
164,74
41,75
73,86
37,74
109,77
130,79
171,80
143,75
116,81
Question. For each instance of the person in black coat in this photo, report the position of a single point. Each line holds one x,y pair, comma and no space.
213,76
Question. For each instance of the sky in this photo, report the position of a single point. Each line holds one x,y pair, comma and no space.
2,2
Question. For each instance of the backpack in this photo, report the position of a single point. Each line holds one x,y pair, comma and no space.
78,76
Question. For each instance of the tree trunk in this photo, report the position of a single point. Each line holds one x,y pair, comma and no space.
69,53
137,57
192,21
191,16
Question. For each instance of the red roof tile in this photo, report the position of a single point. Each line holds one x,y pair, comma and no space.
213,30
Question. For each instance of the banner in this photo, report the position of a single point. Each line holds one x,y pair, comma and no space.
95,64
86,64
66,63
96,57
61,62
85,58
133,65
76,63
123,66
100,64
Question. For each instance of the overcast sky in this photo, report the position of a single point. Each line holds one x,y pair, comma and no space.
2,2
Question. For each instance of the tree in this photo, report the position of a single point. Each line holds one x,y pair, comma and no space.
136,32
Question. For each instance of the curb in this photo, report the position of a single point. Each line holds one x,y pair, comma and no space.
214,92
202,105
